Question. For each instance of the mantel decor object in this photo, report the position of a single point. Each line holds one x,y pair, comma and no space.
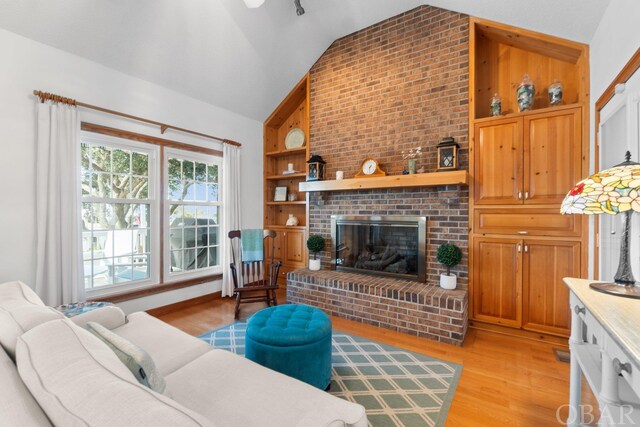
555,93
525,93
412,157
370,168
612,191
495,108
280,194
317,168
448,154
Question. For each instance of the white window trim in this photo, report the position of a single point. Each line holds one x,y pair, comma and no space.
170,277
153,200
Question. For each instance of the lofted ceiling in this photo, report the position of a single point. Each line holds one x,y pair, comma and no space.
247,60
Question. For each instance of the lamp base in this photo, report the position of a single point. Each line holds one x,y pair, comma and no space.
630,290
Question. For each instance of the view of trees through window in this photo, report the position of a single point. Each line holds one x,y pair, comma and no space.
115,215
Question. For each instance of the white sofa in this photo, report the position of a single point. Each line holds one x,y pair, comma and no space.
54,372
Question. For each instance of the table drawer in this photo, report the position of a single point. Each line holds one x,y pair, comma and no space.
526,222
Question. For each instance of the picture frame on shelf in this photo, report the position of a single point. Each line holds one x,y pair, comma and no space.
280,194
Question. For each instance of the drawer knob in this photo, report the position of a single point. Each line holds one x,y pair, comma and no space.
523,232
579,309
618,366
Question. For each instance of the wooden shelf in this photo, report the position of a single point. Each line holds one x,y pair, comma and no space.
291,175
288,227
301,150
297,202
393,181
528,113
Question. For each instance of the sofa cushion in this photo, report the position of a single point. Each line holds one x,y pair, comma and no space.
110,317
17,406
138,361
170,348
20,310
219,382
79,381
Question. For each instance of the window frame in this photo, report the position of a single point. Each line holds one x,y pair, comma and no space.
158,281
153,172
171,277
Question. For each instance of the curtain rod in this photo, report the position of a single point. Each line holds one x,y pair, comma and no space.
44,96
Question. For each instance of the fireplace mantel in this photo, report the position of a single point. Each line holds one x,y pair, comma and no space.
460,177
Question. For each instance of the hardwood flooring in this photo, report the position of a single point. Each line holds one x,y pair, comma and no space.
506,381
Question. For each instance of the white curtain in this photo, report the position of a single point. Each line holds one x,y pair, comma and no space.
59,271
232,209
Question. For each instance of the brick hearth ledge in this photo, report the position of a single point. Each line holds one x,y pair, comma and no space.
405,306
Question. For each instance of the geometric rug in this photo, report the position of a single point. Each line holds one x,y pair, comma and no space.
397,387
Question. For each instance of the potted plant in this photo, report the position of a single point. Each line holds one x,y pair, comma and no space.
315,244
448,255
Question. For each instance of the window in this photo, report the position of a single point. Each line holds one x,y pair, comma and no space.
121,214
193,209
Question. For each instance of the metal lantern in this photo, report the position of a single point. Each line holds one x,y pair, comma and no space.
448,154
317,168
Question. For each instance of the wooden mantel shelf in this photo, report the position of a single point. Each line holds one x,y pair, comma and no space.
392,181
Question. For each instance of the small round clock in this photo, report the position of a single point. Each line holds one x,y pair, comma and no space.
370,167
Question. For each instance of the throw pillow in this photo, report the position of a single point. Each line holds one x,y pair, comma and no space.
134,358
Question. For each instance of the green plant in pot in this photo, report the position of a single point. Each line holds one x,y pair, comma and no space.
448,255
315,244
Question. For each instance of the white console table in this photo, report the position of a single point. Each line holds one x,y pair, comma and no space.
605,347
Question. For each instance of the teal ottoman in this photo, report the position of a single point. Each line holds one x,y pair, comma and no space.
294,340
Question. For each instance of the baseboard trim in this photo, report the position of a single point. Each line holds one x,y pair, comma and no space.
520,333
180,305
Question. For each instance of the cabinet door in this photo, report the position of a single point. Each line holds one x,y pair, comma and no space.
294,253
552,155
546,297
497,281
498,156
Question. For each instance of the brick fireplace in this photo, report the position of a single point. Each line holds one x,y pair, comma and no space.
397,85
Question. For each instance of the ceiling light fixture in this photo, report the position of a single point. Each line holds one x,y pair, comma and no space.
299,8
252,4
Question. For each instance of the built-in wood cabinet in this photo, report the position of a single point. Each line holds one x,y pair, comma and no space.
531,159
522,164
289,245
545,296
497,280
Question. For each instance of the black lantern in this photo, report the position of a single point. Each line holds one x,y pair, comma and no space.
448,154
317,168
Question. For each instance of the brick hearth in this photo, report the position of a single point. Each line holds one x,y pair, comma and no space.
400,305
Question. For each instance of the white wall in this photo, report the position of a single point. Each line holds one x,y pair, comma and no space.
614,42
26,65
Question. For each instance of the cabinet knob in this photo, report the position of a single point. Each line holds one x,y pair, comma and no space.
523,232
618,366
519,195
519,248
526,194
579,309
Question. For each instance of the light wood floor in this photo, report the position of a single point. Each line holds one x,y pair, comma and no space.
506,381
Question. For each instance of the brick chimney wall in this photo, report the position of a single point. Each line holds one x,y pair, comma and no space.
399,84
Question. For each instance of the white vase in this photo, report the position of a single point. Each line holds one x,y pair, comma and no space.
292,221
314,264
448,281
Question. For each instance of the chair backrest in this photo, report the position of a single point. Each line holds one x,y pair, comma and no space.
245,273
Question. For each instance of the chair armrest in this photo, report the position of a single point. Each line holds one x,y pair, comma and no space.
110,317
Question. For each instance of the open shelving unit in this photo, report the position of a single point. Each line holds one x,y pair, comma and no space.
293,112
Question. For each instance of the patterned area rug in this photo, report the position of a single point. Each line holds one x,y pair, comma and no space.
397,387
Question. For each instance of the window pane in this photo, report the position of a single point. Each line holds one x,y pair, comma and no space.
187,170
175,190
175,238
139,188
102,273
212,192
202,236
201,172
86,245
189,191
175,215
189,237
101,159
213,256
140,164
85,157
121,186
201,192
101,185
85,183
213,215
190,212
121,161
212,173
189,259
203,258
213,235
176,261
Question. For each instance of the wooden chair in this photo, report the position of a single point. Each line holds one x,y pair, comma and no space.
257,283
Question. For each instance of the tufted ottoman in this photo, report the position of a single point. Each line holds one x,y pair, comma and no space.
294,340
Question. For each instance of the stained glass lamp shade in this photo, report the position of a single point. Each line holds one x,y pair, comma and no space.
611,191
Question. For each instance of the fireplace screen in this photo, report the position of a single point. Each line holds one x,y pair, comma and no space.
384,245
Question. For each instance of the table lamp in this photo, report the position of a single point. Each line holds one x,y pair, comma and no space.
611,191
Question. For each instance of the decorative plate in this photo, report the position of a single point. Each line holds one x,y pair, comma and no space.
294,139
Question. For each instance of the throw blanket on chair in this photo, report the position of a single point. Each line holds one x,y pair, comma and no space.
252,245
